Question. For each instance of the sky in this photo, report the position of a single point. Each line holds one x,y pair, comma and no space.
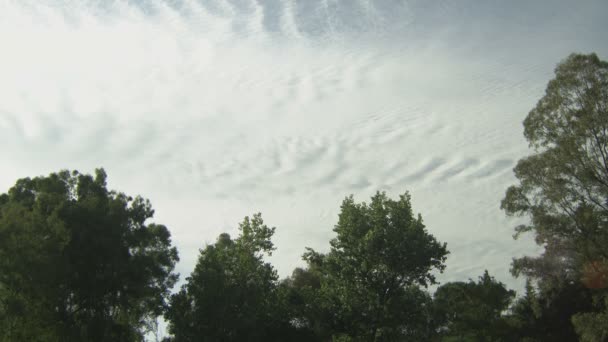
218,109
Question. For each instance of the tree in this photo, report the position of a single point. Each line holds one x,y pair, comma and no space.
306,306
473,311
79,262
232,293
370,279
523,317
546,314
563,185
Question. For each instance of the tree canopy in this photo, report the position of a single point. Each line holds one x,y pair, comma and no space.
370,280
232,294
80,262
473,311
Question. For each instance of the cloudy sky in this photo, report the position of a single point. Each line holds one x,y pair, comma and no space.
216,109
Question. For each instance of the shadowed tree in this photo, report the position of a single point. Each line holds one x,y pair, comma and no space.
305,304
232,294
79,262
473,311
546,314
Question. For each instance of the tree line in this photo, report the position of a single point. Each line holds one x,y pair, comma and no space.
79,262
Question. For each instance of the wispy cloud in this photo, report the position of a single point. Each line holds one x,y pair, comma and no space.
216,109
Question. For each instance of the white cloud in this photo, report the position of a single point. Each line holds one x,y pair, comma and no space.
218,109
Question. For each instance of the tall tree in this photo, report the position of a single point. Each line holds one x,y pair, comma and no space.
371,277
232,293
80,262
563,184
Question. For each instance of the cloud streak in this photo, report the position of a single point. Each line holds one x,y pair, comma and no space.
216,109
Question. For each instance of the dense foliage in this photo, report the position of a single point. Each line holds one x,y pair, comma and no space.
232,294
79,262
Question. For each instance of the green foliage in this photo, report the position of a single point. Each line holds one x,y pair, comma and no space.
473,311
79,262
563,187
370,280
232,294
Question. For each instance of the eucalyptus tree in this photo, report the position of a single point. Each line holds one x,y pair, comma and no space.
563,185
